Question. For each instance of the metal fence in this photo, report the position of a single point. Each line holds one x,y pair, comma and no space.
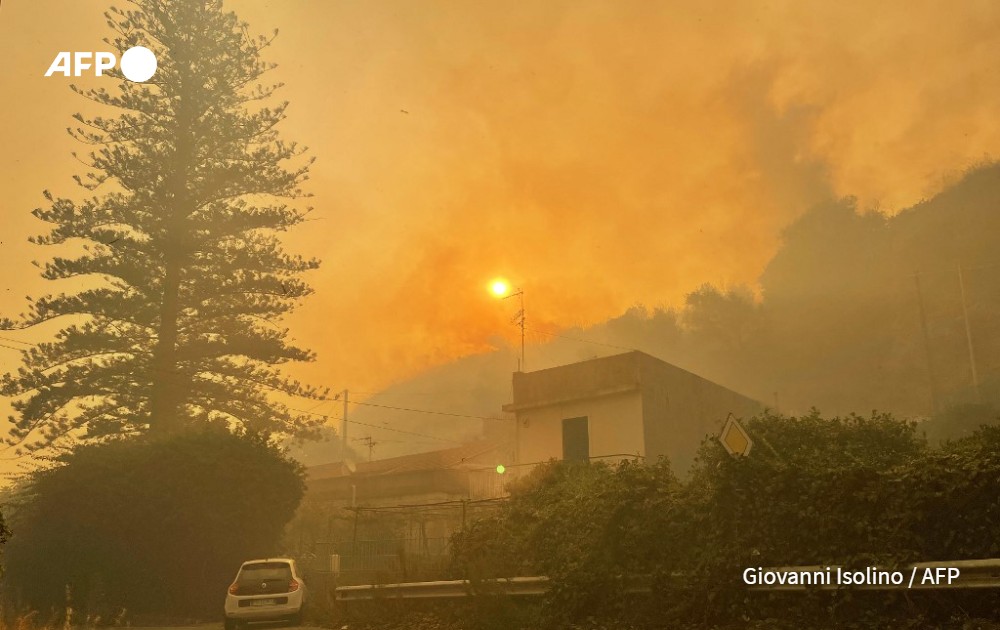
381,544
359,561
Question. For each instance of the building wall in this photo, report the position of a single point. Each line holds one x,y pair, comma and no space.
635,404
614,424
681,409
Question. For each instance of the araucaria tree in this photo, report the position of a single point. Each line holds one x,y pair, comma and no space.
182,280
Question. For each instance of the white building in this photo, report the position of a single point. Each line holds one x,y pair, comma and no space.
617,407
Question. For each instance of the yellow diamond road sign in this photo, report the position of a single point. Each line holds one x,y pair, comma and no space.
735,438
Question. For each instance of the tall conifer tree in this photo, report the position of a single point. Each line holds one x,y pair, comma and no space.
184,277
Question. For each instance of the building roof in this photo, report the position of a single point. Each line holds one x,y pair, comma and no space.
594,378
473,455
603,376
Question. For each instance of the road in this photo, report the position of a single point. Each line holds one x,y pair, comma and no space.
218,626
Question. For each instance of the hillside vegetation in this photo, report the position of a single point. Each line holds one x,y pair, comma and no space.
835,324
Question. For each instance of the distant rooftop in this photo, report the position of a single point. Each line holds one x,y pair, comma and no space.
465,456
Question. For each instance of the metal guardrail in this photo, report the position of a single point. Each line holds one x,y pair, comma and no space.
518,586
949,574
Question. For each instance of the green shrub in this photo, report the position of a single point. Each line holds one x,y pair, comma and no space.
155,527
849,491
585,526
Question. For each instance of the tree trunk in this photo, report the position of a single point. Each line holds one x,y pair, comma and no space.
165,401
168,392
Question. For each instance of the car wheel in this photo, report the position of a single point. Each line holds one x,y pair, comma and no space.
297,619
230,624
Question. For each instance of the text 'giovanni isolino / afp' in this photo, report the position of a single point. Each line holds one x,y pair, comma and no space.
916,577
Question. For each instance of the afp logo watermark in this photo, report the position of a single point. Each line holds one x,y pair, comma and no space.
138,64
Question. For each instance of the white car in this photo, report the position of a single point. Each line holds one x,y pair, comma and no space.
270,589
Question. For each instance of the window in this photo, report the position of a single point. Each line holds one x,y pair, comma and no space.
264,571
576,439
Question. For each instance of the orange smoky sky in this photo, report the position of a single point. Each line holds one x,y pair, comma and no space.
598,154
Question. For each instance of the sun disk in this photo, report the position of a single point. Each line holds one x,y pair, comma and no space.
500,287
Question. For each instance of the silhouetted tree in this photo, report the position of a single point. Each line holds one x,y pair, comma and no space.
728,319
154,526
184,281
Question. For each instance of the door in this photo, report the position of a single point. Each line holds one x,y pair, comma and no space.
576,439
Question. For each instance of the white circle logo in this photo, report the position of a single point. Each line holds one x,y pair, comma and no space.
138,64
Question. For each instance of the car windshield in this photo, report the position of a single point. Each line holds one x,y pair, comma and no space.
266,571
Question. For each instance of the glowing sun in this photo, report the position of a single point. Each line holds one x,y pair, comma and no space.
500,287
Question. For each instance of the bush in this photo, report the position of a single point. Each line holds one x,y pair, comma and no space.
812,492
585,526
849,491
154,527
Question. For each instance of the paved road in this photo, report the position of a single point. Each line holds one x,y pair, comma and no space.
218,626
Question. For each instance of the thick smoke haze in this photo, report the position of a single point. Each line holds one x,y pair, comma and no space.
606,154
597,154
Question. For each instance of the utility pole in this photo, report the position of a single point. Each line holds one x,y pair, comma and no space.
927,343
343,428
523,318
968,336
519,319
370,443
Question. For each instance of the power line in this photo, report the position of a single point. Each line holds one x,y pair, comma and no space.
433,437
394,408
377,426
430,411
391,393
319,404
10,340
596,343
312,413
943,270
